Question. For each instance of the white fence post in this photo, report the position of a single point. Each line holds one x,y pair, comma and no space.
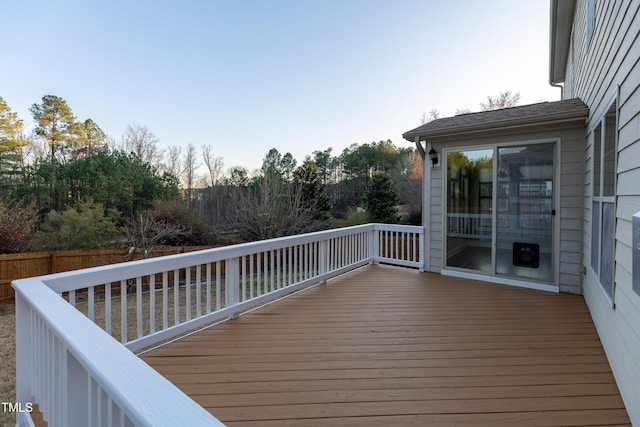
422,249
232,282
374,244
323,258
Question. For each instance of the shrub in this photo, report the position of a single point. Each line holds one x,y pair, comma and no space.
86,227
178,214
17,225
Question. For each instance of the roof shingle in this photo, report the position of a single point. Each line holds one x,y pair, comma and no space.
506,117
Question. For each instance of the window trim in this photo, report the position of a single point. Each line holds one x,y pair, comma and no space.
602,200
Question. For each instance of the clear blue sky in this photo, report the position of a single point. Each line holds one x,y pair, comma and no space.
249,75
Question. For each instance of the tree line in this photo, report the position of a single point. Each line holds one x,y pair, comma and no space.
66,184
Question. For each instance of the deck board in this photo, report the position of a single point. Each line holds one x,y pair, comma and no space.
392,346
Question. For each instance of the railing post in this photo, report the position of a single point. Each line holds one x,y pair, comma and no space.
232,283
323,258
374,245
422,248
24,353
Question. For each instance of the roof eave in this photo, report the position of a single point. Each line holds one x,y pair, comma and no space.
578,116
562,12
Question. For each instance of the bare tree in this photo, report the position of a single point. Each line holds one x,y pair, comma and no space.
503,100
146,232
174,161
112,143
139,140
189,166
202,181
214,164
431,116
274,209
35,149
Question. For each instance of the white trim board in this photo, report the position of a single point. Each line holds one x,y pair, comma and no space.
501,280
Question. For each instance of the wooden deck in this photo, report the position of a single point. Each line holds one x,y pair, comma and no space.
391,346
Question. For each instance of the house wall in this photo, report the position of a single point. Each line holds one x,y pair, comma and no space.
569,211
601,68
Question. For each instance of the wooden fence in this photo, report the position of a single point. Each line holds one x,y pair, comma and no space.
19,266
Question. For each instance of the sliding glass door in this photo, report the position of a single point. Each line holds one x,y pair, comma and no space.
469,206
499,211
524,199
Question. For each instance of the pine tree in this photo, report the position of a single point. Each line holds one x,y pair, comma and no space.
10,141
380,199
314,197
56,124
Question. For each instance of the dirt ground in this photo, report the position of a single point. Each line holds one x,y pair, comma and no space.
7,360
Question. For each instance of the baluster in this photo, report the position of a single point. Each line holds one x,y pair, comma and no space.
413,246
165,299
152,303
296,267
243,279
272,269
109,411
208,299
123,312
187,289
218,285
259,258
91,303
198,291
176,297
107,308
139,305
278,267
290,268
251,271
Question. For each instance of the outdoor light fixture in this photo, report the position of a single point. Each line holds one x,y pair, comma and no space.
433,154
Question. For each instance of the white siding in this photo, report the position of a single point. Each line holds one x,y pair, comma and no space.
595,71
571,197
436,258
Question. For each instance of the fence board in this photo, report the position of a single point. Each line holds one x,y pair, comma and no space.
19,266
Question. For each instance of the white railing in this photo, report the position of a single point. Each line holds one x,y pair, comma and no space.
69,363
469,226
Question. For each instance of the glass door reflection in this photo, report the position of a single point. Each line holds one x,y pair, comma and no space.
469,226
524,208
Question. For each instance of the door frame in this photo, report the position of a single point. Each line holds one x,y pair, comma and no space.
492,277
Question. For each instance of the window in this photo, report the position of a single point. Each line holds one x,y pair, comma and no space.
603,202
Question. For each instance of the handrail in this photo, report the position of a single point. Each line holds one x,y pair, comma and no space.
87,375
70,365
61,282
